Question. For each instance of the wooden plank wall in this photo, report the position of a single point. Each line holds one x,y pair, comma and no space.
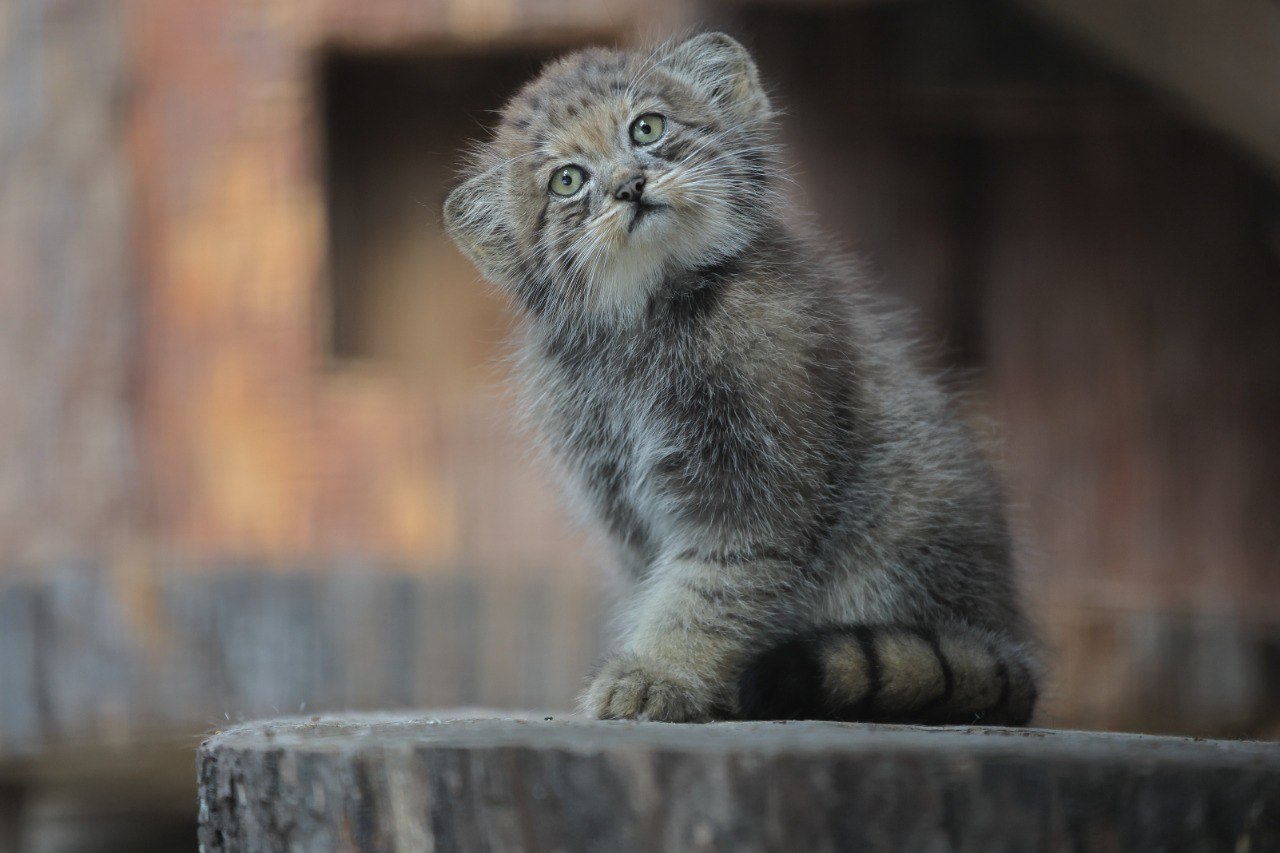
249,640
68,288
188,468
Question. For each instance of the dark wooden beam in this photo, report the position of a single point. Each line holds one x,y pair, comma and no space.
1221,58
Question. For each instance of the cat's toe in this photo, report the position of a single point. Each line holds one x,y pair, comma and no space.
626,689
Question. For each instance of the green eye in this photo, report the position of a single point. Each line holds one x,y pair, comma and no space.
648,128
568,180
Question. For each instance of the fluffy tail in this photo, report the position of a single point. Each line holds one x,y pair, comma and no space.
953,675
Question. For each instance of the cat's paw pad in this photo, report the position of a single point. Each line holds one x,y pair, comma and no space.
629,689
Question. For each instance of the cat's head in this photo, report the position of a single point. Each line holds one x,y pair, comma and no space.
612,171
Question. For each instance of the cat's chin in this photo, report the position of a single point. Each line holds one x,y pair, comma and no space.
647,217
622,287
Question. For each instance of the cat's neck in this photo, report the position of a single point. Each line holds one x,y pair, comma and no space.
684,316
678,296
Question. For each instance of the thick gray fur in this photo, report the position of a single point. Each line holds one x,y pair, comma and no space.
742,419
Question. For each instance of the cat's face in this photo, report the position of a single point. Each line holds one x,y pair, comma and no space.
613,170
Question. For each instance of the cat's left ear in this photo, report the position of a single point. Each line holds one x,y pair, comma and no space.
477,224
723,69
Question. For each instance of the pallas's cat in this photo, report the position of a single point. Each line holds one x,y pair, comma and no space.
806,528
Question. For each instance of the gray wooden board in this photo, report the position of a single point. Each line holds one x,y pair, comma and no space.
437,781
78,665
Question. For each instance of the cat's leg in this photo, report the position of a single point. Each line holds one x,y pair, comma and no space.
953,674
693,624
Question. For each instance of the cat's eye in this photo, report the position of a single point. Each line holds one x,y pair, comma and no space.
568,180
648,128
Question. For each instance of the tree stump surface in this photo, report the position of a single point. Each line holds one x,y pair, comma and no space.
552,782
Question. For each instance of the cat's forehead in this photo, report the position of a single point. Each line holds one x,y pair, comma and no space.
580,100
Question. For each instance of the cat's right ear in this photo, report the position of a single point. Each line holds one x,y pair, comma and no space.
474,220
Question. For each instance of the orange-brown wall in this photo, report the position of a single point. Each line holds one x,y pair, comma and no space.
176,391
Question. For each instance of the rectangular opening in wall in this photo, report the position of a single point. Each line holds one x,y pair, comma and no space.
396,126
406,306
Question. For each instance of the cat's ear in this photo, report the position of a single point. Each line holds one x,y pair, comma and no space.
475,221
723,69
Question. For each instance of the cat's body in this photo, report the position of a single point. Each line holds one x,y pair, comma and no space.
807,529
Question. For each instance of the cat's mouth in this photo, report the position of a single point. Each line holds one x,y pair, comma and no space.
643,211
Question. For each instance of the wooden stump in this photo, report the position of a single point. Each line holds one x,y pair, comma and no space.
372,782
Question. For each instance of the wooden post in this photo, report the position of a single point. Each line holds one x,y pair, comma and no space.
373,782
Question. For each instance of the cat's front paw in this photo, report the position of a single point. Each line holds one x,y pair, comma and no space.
628,688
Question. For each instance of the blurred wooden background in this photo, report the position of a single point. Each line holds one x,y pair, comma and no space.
257,454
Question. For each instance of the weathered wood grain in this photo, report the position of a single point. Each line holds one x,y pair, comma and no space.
436,783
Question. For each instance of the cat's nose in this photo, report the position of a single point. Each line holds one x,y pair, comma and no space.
630,189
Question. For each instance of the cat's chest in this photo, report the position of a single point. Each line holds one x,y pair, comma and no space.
602,412
617,412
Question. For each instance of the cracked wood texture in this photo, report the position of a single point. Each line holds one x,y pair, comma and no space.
442,782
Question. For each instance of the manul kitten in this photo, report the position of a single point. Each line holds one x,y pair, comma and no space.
806,528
